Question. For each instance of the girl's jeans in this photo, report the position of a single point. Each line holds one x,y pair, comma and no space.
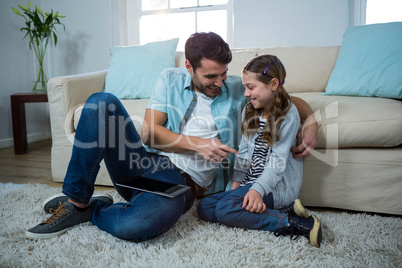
106,132
226,208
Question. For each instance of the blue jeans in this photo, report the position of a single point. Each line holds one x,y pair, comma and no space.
226,208
106,132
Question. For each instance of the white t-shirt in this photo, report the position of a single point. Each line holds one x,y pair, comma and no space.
200,124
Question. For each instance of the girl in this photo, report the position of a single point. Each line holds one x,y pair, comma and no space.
266,179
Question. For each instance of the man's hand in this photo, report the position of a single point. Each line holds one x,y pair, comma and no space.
157,136
307,135
235,185
211,149
253,202
306,139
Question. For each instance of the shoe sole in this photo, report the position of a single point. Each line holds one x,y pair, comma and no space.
45,235
300,210
61,194
316,233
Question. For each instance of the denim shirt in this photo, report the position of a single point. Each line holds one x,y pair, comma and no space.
173,95
283,174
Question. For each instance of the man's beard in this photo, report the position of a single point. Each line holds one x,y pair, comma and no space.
210,90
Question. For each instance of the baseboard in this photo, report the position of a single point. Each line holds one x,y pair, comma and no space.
31,138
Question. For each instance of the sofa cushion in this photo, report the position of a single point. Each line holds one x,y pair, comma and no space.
133,70
239,59
307,68
346,122
180,59
369,62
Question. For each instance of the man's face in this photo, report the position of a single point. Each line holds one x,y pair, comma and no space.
209,77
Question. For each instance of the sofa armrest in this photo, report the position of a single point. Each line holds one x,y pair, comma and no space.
64,94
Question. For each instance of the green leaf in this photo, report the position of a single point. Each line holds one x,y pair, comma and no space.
30,16
17,12
49,19
25,34
39,10
55,38
24,8
39,26
36,21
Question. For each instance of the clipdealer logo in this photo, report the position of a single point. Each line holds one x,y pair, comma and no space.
326,118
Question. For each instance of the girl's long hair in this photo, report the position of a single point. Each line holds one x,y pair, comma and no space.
267,67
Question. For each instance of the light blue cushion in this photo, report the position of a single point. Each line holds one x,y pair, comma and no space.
133,70
369,62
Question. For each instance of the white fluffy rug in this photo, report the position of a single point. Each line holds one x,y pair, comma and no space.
349,240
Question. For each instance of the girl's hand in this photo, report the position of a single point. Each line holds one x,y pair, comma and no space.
253,201
235,185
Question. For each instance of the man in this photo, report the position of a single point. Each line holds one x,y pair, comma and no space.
191,123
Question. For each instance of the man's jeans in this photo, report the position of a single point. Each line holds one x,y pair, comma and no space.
105,132
226,208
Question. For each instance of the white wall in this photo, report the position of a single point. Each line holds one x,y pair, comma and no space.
265,23
84,46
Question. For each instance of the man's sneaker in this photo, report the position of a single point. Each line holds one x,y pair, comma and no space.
295,208
52,203
64,217
310,228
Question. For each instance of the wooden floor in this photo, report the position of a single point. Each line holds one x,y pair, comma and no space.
32,167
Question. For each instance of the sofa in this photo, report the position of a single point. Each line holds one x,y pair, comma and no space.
357,164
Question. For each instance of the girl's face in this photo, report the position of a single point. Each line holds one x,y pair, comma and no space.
261,96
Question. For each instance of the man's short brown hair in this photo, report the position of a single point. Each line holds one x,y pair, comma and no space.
209,46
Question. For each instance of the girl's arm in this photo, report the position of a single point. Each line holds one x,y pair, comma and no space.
242,163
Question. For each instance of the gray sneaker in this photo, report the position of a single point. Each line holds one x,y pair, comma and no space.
52,203
64,217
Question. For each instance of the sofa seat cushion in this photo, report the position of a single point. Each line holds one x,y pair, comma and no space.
346,122
135,108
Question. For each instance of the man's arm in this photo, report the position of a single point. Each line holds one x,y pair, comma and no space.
307,135
154,134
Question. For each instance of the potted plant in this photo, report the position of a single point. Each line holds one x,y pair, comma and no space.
40,27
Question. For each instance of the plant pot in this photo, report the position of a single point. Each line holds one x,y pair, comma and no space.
42,60
39,87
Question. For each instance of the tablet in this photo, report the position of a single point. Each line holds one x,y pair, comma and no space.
155,186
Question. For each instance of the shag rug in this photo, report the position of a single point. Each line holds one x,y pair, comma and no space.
349,240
